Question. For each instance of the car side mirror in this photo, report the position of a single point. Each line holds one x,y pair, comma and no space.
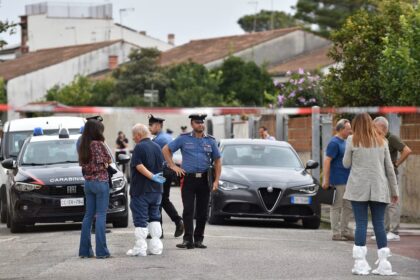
311,164
123,159
9,163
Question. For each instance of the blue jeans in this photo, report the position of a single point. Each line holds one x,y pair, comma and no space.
97,200
377,209
145,208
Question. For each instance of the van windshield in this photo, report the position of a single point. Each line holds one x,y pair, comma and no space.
16,139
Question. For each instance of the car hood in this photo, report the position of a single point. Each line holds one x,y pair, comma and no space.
250,175
60,174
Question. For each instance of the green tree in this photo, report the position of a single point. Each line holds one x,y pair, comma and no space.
328,15
6,26
399,68
83,92
191,84
3,95
243,82
140,73
266,20
358,50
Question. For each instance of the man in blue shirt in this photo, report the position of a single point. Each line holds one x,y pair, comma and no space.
162,138
199,151
336,175
146,192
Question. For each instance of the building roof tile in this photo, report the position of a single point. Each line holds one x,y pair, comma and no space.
33,61
208,50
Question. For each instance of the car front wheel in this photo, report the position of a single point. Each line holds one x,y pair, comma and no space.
311,223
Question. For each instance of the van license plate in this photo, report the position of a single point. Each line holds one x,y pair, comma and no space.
301,200
68,202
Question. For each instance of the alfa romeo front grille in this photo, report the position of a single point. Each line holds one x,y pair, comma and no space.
269,197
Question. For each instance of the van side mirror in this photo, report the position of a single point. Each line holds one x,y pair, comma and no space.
123,159
9,163
311,164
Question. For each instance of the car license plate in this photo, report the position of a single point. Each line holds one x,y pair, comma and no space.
301,200
68,202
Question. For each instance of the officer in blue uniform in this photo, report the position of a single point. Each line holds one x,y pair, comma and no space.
199,152
161,138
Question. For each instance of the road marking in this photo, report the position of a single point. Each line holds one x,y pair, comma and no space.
8,239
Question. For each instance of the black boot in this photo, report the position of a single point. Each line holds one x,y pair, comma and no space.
185,245
200,245
179,228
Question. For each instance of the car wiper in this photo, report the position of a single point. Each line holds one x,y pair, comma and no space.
32,163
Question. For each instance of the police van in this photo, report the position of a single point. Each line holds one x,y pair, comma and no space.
45,184
14,134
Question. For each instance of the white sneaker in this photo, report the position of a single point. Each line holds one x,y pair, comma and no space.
392,237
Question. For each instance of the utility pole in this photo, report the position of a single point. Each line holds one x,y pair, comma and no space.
255,15
272,16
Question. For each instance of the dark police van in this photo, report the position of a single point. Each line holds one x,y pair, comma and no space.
45,184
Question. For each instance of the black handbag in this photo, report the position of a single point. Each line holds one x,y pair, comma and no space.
111,171
327,196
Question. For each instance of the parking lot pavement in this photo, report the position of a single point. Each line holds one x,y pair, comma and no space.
237,250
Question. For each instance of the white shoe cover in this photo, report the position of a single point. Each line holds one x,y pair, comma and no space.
155,244
140,247
384,266
361,266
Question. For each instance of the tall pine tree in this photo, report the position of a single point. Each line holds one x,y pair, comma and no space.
328,15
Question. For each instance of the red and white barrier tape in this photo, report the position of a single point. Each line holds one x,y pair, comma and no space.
208,110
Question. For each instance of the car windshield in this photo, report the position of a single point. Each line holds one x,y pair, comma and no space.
16,139
50,152
260,155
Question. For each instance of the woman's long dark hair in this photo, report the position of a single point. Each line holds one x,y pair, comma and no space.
93,130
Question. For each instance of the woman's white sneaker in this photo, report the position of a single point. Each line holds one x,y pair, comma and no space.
392,237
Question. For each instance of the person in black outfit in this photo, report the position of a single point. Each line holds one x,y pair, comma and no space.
161,138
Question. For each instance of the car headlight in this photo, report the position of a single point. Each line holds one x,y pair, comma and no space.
228,186
25,187
309,189
117,185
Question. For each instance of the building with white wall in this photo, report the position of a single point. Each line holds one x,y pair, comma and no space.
52,25
29,76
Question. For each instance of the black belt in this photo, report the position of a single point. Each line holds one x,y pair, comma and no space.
196,175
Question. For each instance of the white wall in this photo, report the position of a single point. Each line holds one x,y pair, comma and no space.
279,49
33,86
77,31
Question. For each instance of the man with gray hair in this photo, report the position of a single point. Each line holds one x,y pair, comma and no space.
336,175
393,211
146,192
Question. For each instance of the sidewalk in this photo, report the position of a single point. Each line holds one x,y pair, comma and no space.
409,246
405,228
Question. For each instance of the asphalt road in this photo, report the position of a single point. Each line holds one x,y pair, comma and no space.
238,250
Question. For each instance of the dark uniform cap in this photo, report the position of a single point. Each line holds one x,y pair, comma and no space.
98,118
153,119
183,127
169,131
197,117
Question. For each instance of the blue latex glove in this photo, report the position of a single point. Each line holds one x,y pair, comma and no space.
158,178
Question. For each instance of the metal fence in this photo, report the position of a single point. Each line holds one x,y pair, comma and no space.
70,10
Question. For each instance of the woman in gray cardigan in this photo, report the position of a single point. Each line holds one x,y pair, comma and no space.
372,183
